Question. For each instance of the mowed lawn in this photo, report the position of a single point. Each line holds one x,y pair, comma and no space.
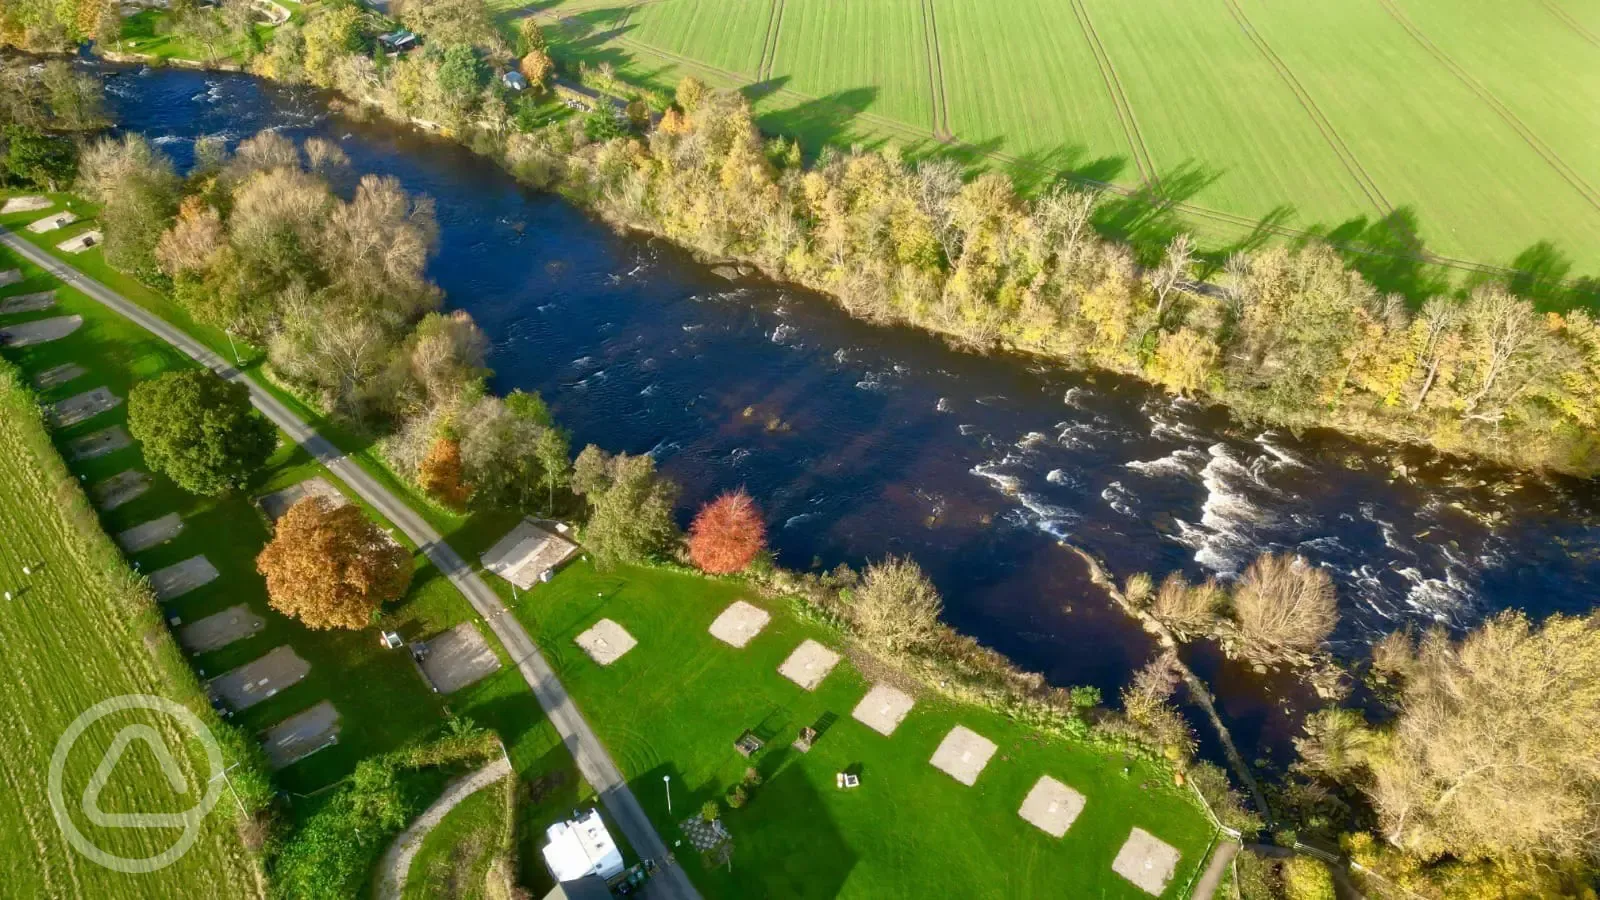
1476,122
675,704
71,642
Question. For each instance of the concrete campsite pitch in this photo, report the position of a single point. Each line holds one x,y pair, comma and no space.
259,679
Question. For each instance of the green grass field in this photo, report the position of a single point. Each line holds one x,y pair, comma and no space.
455,856
675,704
1470,123
70,643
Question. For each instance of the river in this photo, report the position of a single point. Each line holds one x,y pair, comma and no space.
860,441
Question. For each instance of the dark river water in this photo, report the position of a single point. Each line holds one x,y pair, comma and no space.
860,441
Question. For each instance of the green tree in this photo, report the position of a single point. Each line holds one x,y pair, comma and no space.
631,507
38,159
200,430
553,449
530,37
137,189
462,73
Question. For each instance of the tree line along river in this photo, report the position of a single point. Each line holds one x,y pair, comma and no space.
860,441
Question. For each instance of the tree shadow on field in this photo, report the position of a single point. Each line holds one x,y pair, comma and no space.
1149,218
818,123
1389,252
1068,164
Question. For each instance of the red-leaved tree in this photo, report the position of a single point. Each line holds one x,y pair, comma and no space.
727,534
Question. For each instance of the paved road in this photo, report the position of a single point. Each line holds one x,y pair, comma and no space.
396,866
593,760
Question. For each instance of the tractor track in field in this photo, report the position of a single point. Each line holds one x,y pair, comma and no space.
1546,152
1347,157
1142,157
1567,19
936,93
1199,212
769,43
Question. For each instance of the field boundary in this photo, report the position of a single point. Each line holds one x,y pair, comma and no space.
1347,157
1142,157
1527,134
936,93
1567,19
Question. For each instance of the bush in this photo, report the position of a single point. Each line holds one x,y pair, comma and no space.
711,811
737,796
1305,878
1284,604
896,608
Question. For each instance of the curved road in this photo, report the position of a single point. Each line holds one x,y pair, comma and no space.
593,761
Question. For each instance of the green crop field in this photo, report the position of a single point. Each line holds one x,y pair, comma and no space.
1468,124
675,704
70,642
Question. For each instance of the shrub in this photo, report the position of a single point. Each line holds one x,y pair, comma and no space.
1305,878
711,811
896,607
727,534
1185,607
737,796
1284,604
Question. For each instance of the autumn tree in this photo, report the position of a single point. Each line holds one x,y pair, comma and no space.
530,37
440,474
727,534
1493,752
200,430
1283,604
329,566
896,607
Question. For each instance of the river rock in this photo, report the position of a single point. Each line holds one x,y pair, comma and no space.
731,273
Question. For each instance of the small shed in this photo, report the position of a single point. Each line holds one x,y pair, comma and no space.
398,41
530,550
582,847
515,81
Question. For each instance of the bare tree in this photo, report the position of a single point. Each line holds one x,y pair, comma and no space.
1167,279
1431,331
938,183
1284,604
1501,333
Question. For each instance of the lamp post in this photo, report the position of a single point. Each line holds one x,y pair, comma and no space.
667,780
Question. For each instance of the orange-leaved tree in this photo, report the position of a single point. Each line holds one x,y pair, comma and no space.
329,566
727,534
440,473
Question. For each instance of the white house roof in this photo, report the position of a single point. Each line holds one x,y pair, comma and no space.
582,847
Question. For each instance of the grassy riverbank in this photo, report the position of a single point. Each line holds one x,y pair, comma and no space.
675,704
